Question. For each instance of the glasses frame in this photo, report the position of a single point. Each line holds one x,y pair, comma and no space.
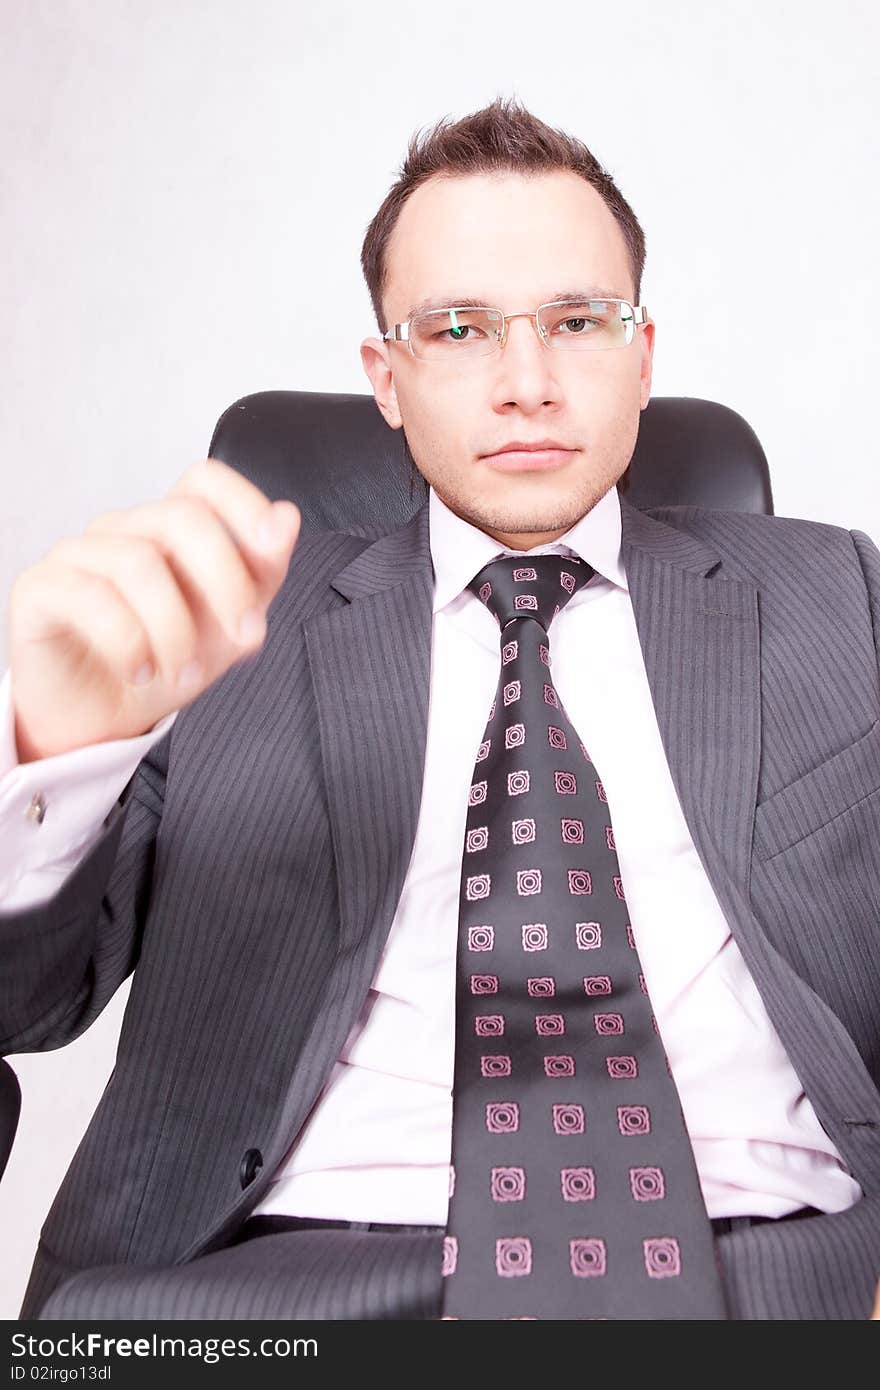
400,332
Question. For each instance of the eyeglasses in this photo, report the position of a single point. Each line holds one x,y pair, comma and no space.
590,325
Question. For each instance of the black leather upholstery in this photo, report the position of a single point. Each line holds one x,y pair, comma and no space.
346,469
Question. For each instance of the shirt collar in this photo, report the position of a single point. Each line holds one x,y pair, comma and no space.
459,550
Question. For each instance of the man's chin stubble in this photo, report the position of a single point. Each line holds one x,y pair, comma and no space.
530,519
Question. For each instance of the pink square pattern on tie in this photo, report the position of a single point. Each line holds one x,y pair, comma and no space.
495,1065
588,1257
502,1117
484,984
662,1257
647,1184
622,1068
597,984
513,1256
539,840
541,987
508,1184
481,938
578,1184
559,1066
568,1119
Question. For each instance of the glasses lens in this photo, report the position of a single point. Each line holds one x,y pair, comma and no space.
573,326
451,333
587,326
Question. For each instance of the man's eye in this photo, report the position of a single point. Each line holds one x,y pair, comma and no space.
458,334
595,322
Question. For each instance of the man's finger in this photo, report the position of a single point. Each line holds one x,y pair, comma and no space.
241,506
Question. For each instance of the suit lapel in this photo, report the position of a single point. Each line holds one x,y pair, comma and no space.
370,662
700,640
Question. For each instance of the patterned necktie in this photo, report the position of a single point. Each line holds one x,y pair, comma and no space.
573,1187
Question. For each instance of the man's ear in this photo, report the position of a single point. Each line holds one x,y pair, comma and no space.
374,356
647,334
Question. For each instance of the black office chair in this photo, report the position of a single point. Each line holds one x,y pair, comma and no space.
346,469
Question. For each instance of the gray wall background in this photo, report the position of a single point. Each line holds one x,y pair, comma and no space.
185,189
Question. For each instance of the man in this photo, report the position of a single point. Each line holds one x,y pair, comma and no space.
282,870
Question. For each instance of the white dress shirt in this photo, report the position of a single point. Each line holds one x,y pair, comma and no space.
377,1145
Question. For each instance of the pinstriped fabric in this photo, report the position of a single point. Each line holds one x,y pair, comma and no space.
826,1267
869,559
282,837
819,796
301,1275
841,870
38,1007
815,631
254,871
721,729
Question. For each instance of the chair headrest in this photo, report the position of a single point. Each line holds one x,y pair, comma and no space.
346,469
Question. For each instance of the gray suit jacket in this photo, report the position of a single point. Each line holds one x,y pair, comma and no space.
253,865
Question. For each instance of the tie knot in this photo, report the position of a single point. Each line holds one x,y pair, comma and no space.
536,587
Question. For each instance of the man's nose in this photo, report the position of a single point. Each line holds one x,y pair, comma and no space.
524,349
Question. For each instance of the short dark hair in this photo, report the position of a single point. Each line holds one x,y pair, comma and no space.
503,137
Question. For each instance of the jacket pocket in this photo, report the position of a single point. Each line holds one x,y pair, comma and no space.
837,785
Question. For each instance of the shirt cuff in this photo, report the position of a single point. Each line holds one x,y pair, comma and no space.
53,809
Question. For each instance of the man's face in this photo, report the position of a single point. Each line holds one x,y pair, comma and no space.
513,243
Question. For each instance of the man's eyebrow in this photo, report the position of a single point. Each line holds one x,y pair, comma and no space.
447,301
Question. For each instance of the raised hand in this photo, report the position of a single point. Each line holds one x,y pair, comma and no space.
115,628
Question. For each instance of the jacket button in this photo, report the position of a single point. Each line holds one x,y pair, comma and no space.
250,1166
